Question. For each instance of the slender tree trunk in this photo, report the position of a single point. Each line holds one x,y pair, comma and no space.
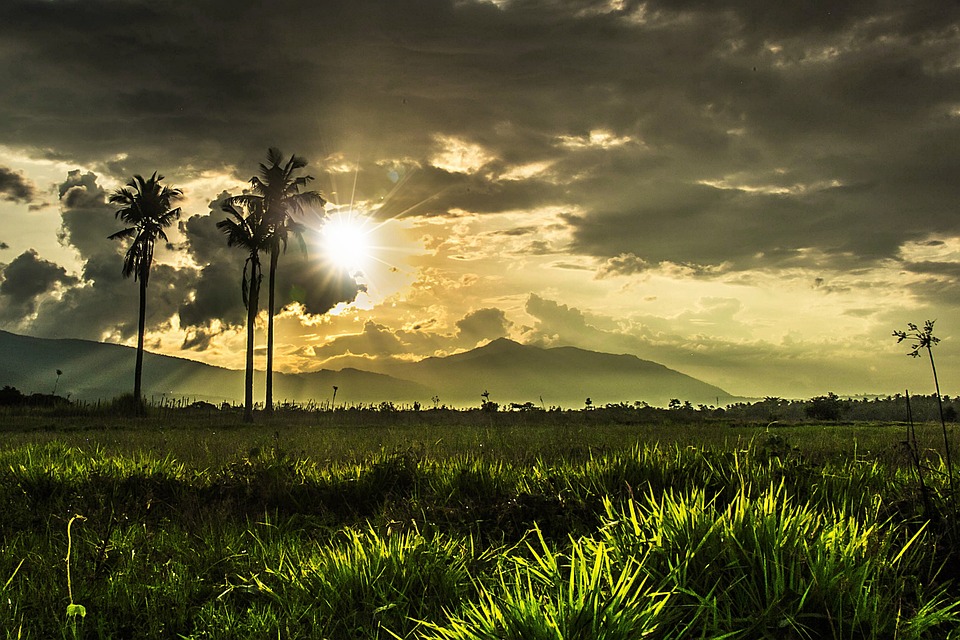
943,424
274,259
252,304
141,328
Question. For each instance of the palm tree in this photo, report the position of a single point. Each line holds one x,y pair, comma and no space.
250,233
277,193
145,206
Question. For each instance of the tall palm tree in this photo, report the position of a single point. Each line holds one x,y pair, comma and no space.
145,205
251,234
277,191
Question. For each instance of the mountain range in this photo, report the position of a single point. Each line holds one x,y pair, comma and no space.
510,372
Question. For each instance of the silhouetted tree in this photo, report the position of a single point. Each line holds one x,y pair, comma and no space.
828,407
145,205
277,192
251,234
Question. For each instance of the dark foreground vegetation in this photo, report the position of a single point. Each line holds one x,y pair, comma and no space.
381,523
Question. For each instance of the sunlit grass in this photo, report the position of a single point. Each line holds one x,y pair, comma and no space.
471,530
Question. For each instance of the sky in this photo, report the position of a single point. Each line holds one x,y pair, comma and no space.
753,193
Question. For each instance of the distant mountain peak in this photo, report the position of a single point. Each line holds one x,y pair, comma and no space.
500,344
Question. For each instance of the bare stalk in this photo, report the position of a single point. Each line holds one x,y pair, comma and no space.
924,339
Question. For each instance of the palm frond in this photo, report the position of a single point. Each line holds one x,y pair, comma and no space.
129,232
274,156
238,232
145,205
295,162
298,230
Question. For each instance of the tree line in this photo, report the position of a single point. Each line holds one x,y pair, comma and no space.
259,221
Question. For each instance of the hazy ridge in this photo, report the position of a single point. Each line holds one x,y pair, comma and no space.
509,371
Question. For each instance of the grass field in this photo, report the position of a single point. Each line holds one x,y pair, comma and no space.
462,525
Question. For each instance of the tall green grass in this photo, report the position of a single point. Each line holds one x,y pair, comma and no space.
754,539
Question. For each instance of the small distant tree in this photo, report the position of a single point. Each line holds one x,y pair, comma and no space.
487,404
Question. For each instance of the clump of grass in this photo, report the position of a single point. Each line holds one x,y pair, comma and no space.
766,566
544,594
359,584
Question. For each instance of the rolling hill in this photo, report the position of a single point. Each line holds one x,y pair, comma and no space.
511,372
95,370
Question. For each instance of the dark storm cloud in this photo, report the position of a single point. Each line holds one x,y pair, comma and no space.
29,275
14,187
24,281
743,130
304,279
217,296
215,288
940,283
87,219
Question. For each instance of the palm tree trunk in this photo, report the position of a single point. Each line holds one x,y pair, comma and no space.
138,368
252,304
274,259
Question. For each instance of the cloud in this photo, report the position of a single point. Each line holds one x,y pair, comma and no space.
665,123
305,279
216,296
625,264
14,187
87,219
214,302
455,155
483,324
29,275
24,281
375,340
557,323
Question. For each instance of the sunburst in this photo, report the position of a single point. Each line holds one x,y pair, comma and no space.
347,240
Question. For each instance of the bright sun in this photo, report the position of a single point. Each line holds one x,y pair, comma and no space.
346,242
